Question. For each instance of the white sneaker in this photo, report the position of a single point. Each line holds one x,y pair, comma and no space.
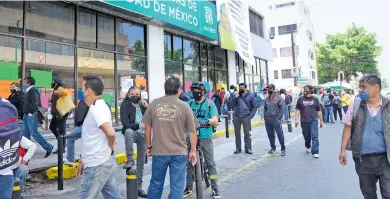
307,150
71,164
316,155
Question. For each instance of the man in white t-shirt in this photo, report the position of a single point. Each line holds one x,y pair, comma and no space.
97,162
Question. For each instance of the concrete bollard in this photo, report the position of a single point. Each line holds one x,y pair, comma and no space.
131,184
16,192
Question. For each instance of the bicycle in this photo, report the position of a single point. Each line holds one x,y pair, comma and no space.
200,171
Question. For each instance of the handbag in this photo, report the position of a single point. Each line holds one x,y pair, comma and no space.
65,104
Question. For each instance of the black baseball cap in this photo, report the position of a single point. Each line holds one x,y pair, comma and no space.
271,86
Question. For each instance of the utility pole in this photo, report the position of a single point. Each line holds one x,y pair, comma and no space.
293,56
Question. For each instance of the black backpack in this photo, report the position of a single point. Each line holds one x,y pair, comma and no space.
288,99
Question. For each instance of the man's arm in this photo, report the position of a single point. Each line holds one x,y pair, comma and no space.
148,135
110,134
281,105
30,147
346,137
124,113
33,100
254,107
297,115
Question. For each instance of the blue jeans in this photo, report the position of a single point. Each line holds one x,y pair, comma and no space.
6,186
30,129
99,179
177,173
70,144
329,113
21,172
285,112
310,133
273,126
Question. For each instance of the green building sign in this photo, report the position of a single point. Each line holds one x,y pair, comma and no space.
197,16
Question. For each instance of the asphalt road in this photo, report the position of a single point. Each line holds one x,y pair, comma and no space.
261,176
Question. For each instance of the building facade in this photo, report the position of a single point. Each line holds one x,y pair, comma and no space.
286,17
122,43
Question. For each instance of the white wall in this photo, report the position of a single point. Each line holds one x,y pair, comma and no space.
156,68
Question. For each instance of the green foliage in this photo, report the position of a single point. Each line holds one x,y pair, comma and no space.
352,51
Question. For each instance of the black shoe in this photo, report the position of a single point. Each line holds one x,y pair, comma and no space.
216,194
187,192
248,151
272,151
283,153
237,151
142,194
48,152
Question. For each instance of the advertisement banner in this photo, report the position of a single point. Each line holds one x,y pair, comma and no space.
233,27
193,15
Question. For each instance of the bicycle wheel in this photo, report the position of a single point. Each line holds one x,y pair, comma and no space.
198,177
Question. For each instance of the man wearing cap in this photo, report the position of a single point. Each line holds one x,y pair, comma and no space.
273,114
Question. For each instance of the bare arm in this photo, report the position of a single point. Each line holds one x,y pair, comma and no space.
346,137
297,115
148,135
213,120
110,134
193,140
319,113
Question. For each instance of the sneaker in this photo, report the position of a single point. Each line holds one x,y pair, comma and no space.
307,150
316,155
67,162
142,194
272,151
216,194
187,192
283,153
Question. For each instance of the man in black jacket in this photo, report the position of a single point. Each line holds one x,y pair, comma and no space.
132,111
17,98
32,101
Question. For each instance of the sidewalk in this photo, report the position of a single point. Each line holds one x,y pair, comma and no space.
38,162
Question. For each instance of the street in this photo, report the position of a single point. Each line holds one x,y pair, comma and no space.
298,175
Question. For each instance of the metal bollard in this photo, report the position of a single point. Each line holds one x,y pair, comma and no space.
289,126
227,126
60,178
131,184
16,192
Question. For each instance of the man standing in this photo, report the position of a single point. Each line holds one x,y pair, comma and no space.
169,118
132,111
97,162
273,114
367,130
244,105
327,100
17,99
217,99
32,101
228,100
309,108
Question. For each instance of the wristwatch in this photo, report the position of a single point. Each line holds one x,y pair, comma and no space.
150,147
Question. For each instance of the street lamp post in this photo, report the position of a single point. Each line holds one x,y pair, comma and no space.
293,56
17,40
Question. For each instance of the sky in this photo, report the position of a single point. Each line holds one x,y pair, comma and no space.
332,16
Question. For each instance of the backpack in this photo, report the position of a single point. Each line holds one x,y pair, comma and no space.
229,100
326,99
288,99
10,135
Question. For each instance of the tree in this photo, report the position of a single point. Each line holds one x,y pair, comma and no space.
352,51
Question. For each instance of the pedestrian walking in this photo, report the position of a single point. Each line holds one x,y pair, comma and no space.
308,111
287,102
32,101
132,111
244,106
337,107
327,99
169,118
58,122
17,98
273,114
207,114
367,130
345,100
97,164
217,99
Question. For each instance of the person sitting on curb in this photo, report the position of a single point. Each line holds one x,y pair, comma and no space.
132,111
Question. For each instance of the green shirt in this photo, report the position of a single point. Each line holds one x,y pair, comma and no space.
203,111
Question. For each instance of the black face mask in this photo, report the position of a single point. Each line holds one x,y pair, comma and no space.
242,91
197,95
13,91
306,92
135,99
270,92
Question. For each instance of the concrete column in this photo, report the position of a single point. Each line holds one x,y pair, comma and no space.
156,66
232,68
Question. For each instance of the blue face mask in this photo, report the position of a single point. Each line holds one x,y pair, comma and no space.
364,95
24,86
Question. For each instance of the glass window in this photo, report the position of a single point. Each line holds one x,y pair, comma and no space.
258,71
173,69
221,78
276,74
10,65
221,59
285,52
191,74
249,82
106,32
86,30
264,80
168,46
177,49
191,51
203,54
256,24
45,20
130,38
286,74
204,74
274,53
285,5
263,68
210,56
257,83
248,68
211,81
11,17
287,29
313,74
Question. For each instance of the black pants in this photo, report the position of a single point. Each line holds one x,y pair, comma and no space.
58,126
371,169
337,109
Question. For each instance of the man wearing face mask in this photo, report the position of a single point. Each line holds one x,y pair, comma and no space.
244,105
368,134
132,111
273,114
308,110
206,113
17,99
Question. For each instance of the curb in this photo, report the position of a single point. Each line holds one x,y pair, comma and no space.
70,171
